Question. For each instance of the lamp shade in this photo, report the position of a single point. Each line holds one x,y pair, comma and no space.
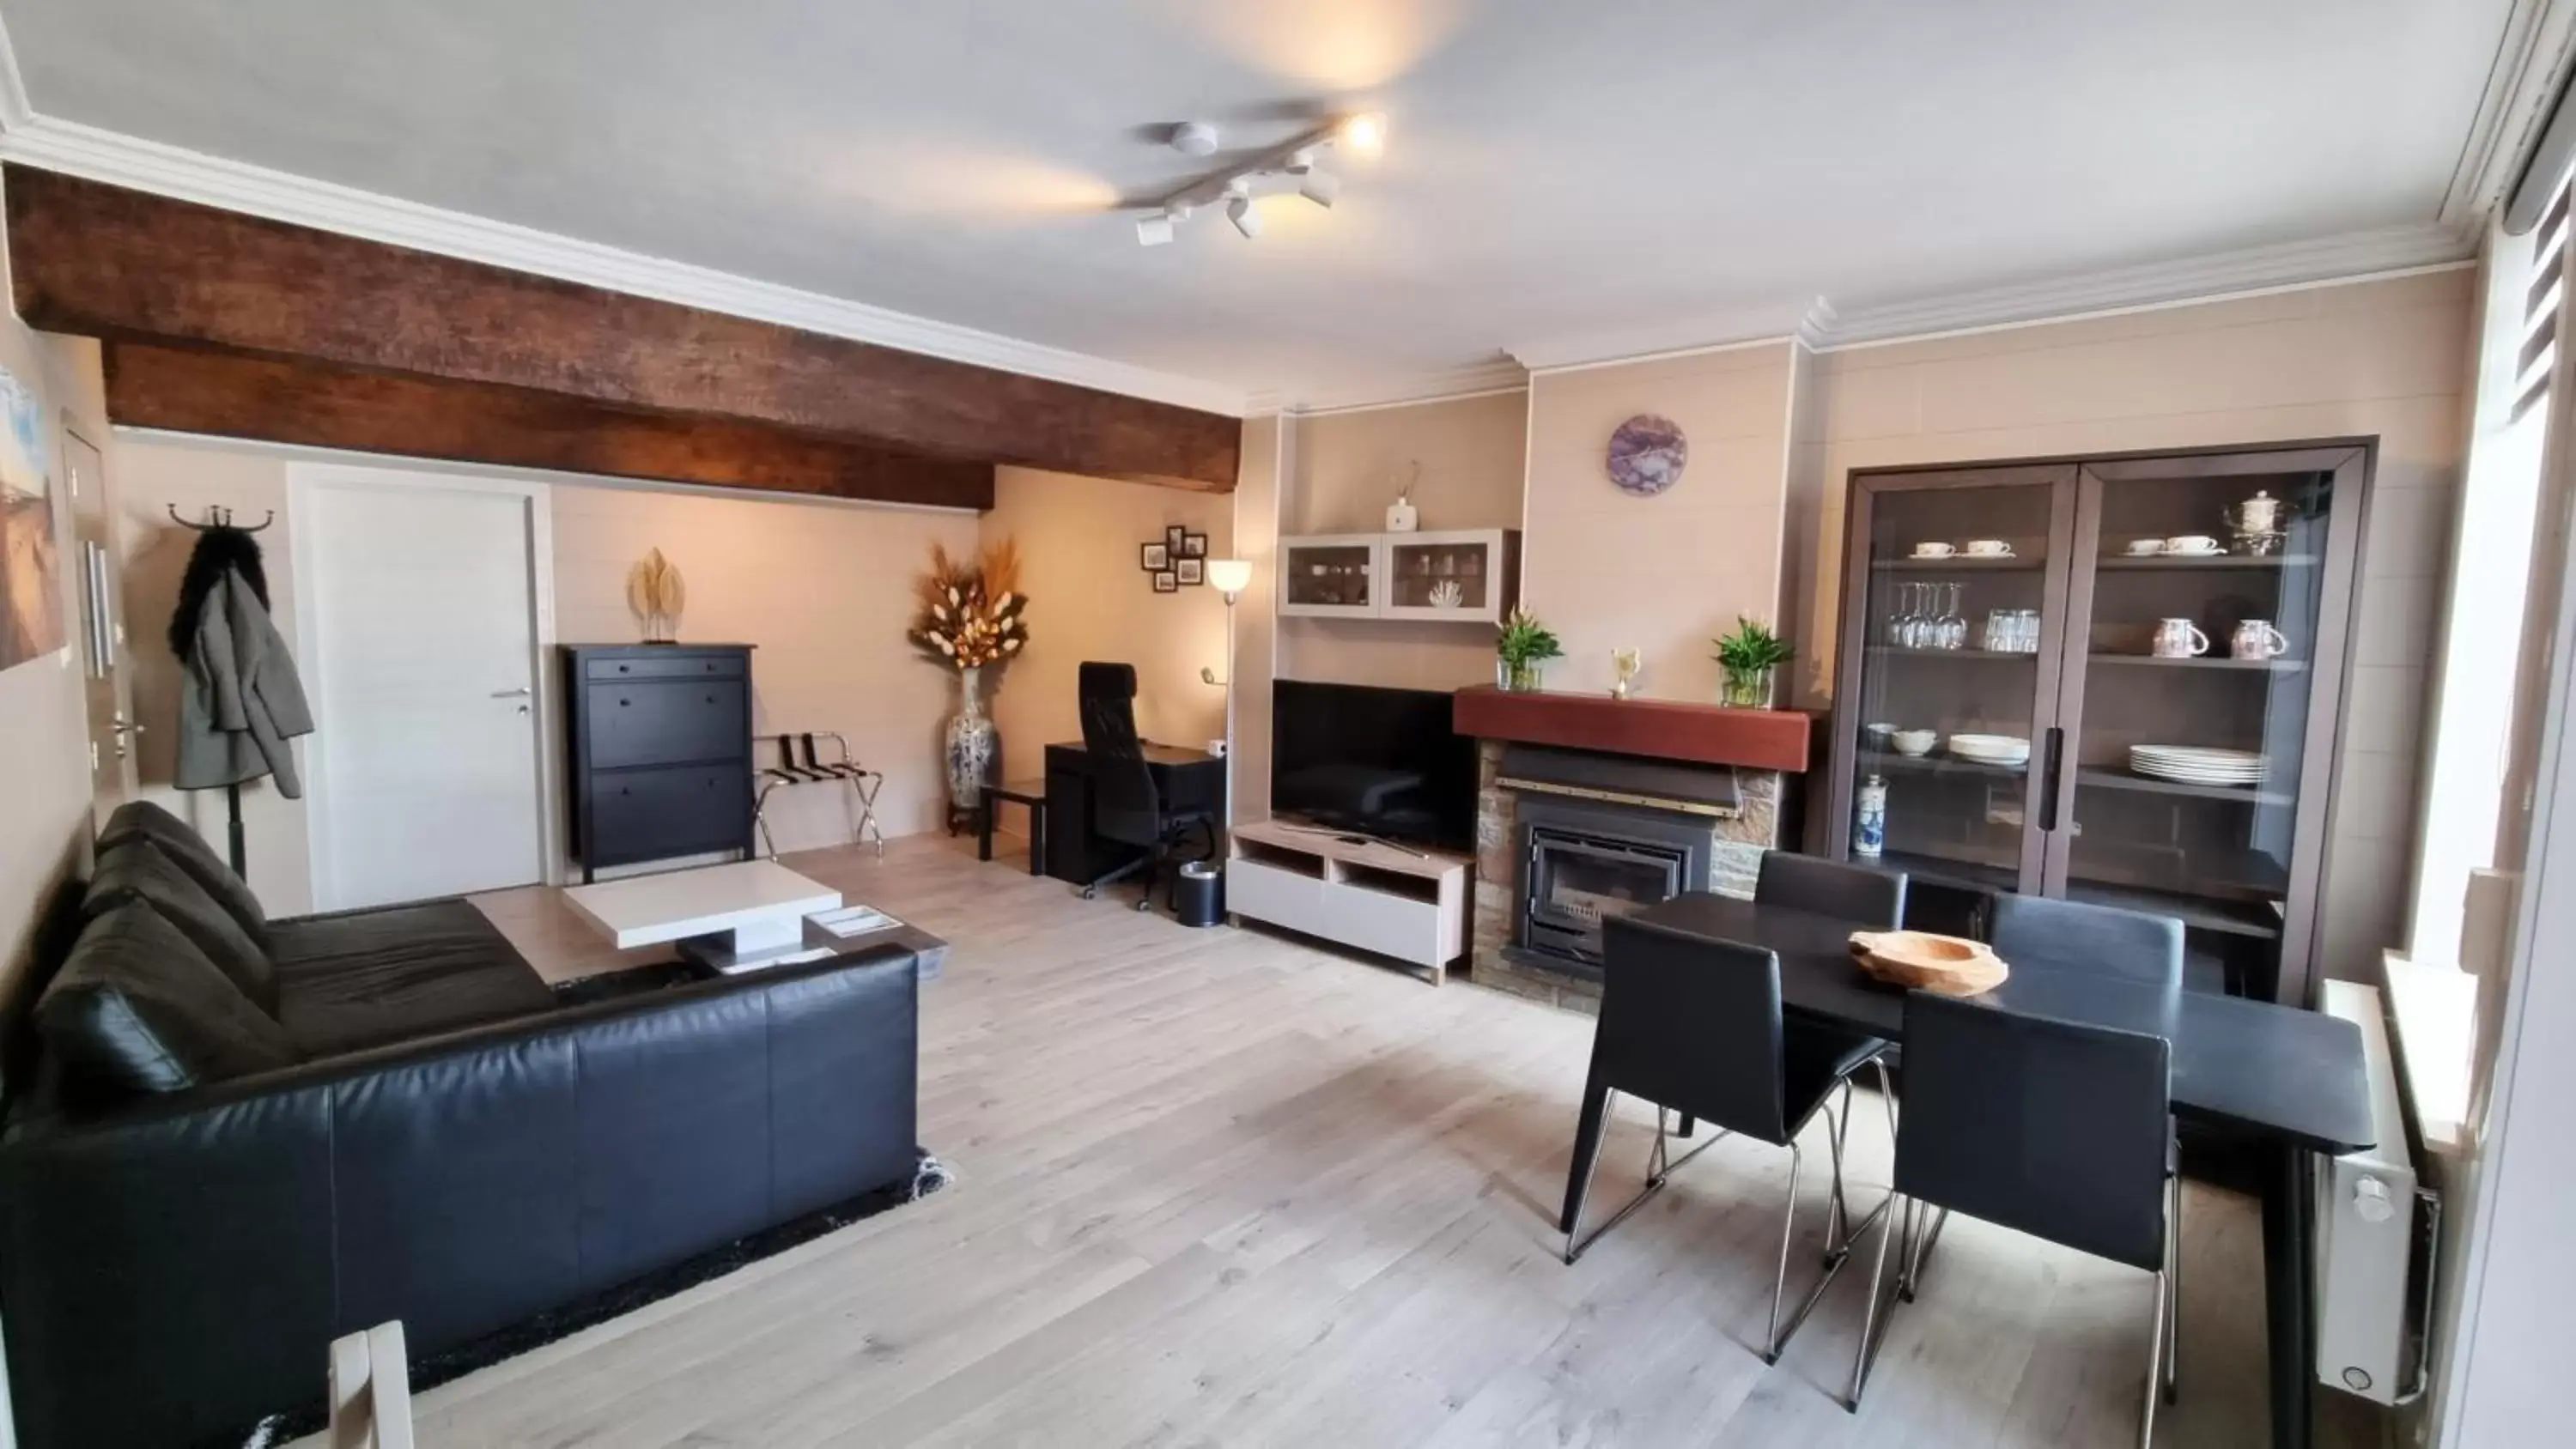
1229,575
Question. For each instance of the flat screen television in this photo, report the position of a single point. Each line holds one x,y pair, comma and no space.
1376,762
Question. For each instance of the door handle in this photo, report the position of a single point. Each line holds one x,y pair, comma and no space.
520,693
120,725
2049,781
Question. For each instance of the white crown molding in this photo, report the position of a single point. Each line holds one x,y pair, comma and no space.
1456,384
1769,321
2286,266
129,161
14,110
2531,62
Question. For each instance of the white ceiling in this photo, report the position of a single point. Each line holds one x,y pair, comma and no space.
1555,169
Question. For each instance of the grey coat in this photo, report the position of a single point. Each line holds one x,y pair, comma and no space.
241,702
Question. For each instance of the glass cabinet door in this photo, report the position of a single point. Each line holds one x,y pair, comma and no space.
2190,698
1329,576
1950,663
1456,575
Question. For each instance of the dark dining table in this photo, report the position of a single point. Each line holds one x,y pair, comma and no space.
2289,1081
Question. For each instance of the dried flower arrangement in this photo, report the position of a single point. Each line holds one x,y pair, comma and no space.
972,613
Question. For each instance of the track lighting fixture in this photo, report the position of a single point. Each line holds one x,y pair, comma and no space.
1299,157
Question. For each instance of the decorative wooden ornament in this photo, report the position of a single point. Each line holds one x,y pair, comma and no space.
1947,965
657,594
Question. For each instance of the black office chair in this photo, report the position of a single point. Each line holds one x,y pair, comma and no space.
1126,806
2055,1128
1693,1025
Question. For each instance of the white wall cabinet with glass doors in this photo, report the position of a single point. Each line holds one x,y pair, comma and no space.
1458,576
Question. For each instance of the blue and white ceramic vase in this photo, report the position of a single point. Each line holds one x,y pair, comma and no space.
971,742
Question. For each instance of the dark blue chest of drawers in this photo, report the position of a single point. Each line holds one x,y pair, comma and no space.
658,751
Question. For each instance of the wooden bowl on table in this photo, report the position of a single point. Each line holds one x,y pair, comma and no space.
1919,960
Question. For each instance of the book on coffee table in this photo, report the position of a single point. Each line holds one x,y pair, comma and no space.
850,921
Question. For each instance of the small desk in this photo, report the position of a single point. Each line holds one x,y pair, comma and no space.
2294,1079
1029,795
1189,780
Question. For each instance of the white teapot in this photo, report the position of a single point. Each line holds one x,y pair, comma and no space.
2258,514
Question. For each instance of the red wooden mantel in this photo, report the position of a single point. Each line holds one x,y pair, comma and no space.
1707,734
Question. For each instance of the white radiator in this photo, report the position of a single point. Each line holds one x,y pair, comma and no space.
2375,1227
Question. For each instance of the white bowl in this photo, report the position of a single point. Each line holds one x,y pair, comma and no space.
1914,742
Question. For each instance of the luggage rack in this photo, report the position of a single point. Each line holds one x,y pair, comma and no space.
814,770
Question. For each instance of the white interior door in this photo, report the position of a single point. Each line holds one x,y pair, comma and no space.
421,598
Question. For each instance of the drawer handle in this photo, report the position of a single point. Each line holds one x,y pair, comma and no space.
621,669
621,704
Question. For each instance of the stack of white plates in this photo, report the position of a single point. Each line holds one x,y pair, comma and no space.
1991,749
2196,765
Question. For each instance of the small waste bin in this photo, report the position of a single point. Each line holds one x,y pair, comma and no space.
1198,897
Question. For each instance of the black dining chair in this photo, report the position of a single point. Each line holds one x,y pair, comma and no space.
1694,1025
2044,934
1126,805
2035,933
1854,893
2058,1129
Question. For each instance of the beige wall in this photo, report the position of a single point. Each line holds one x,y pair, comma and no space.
1347,467
1268,444
823,589
44,769
153,474
1088,600
1665,574
2383,358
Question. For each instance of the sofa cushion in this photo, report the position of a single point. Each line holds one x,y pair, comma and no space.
136,869
189,851
360,980
137,1008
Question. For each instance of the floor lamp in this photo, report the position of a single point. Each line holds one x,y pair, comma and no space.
1229,576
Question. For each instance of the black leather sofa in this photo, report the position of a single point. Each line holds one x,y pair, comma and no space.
207,1171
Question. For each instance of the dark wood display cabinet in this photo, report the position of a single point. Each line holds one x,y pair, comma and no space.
2168,767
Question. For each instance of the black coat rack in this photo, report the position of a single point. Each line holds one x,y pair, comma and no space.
218,516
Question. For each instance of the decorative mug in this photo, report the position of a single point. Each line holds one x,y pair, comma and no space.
2257,639
2191,543
2179,639
1935,550
1988,548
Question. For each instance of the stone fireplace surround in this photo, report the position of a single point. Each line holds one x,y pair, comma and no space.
1720,818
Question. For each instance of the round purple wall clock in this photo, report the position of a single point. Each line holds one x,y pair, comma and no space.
1647,454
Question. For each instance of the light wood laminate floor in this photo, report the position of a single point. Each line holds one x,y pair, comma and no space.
1220,1187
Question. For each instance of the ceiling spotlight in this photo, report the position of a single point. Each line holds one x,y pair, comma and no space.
1153,231
1236,188
1194,138
1302,161
1320,188
1245,219
1367,130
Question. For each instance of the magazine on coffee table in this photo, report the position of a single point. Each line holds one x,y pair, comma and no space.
850,922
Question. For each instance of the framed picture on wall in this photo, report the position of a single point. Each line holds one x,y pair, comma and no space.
1192,571
1167,582
1193,545
1153,558
1174,536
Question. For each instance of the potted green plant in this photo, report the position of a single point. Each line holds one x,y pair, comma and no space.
1751,656
1524,646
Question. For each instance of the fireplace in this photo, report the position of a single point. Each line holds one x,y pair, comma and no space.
1606,835
1573,880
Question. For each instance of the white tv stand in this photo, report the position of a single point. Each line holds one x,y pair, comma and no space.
1390,900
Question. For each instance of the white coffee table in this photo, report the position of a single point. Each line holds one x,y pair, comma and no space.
726,916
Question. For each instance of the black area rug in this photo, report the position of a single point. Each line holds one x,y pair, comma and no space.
430,1370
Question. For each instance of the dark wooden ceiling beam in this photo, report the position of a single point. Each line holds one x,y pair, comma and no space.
281,401
107,262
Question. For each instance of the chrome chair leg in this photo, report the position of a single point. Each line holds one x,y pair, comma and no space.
2173,1287
1660,1166
1837,1211
1873,1324
2155,1368
1780,1283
